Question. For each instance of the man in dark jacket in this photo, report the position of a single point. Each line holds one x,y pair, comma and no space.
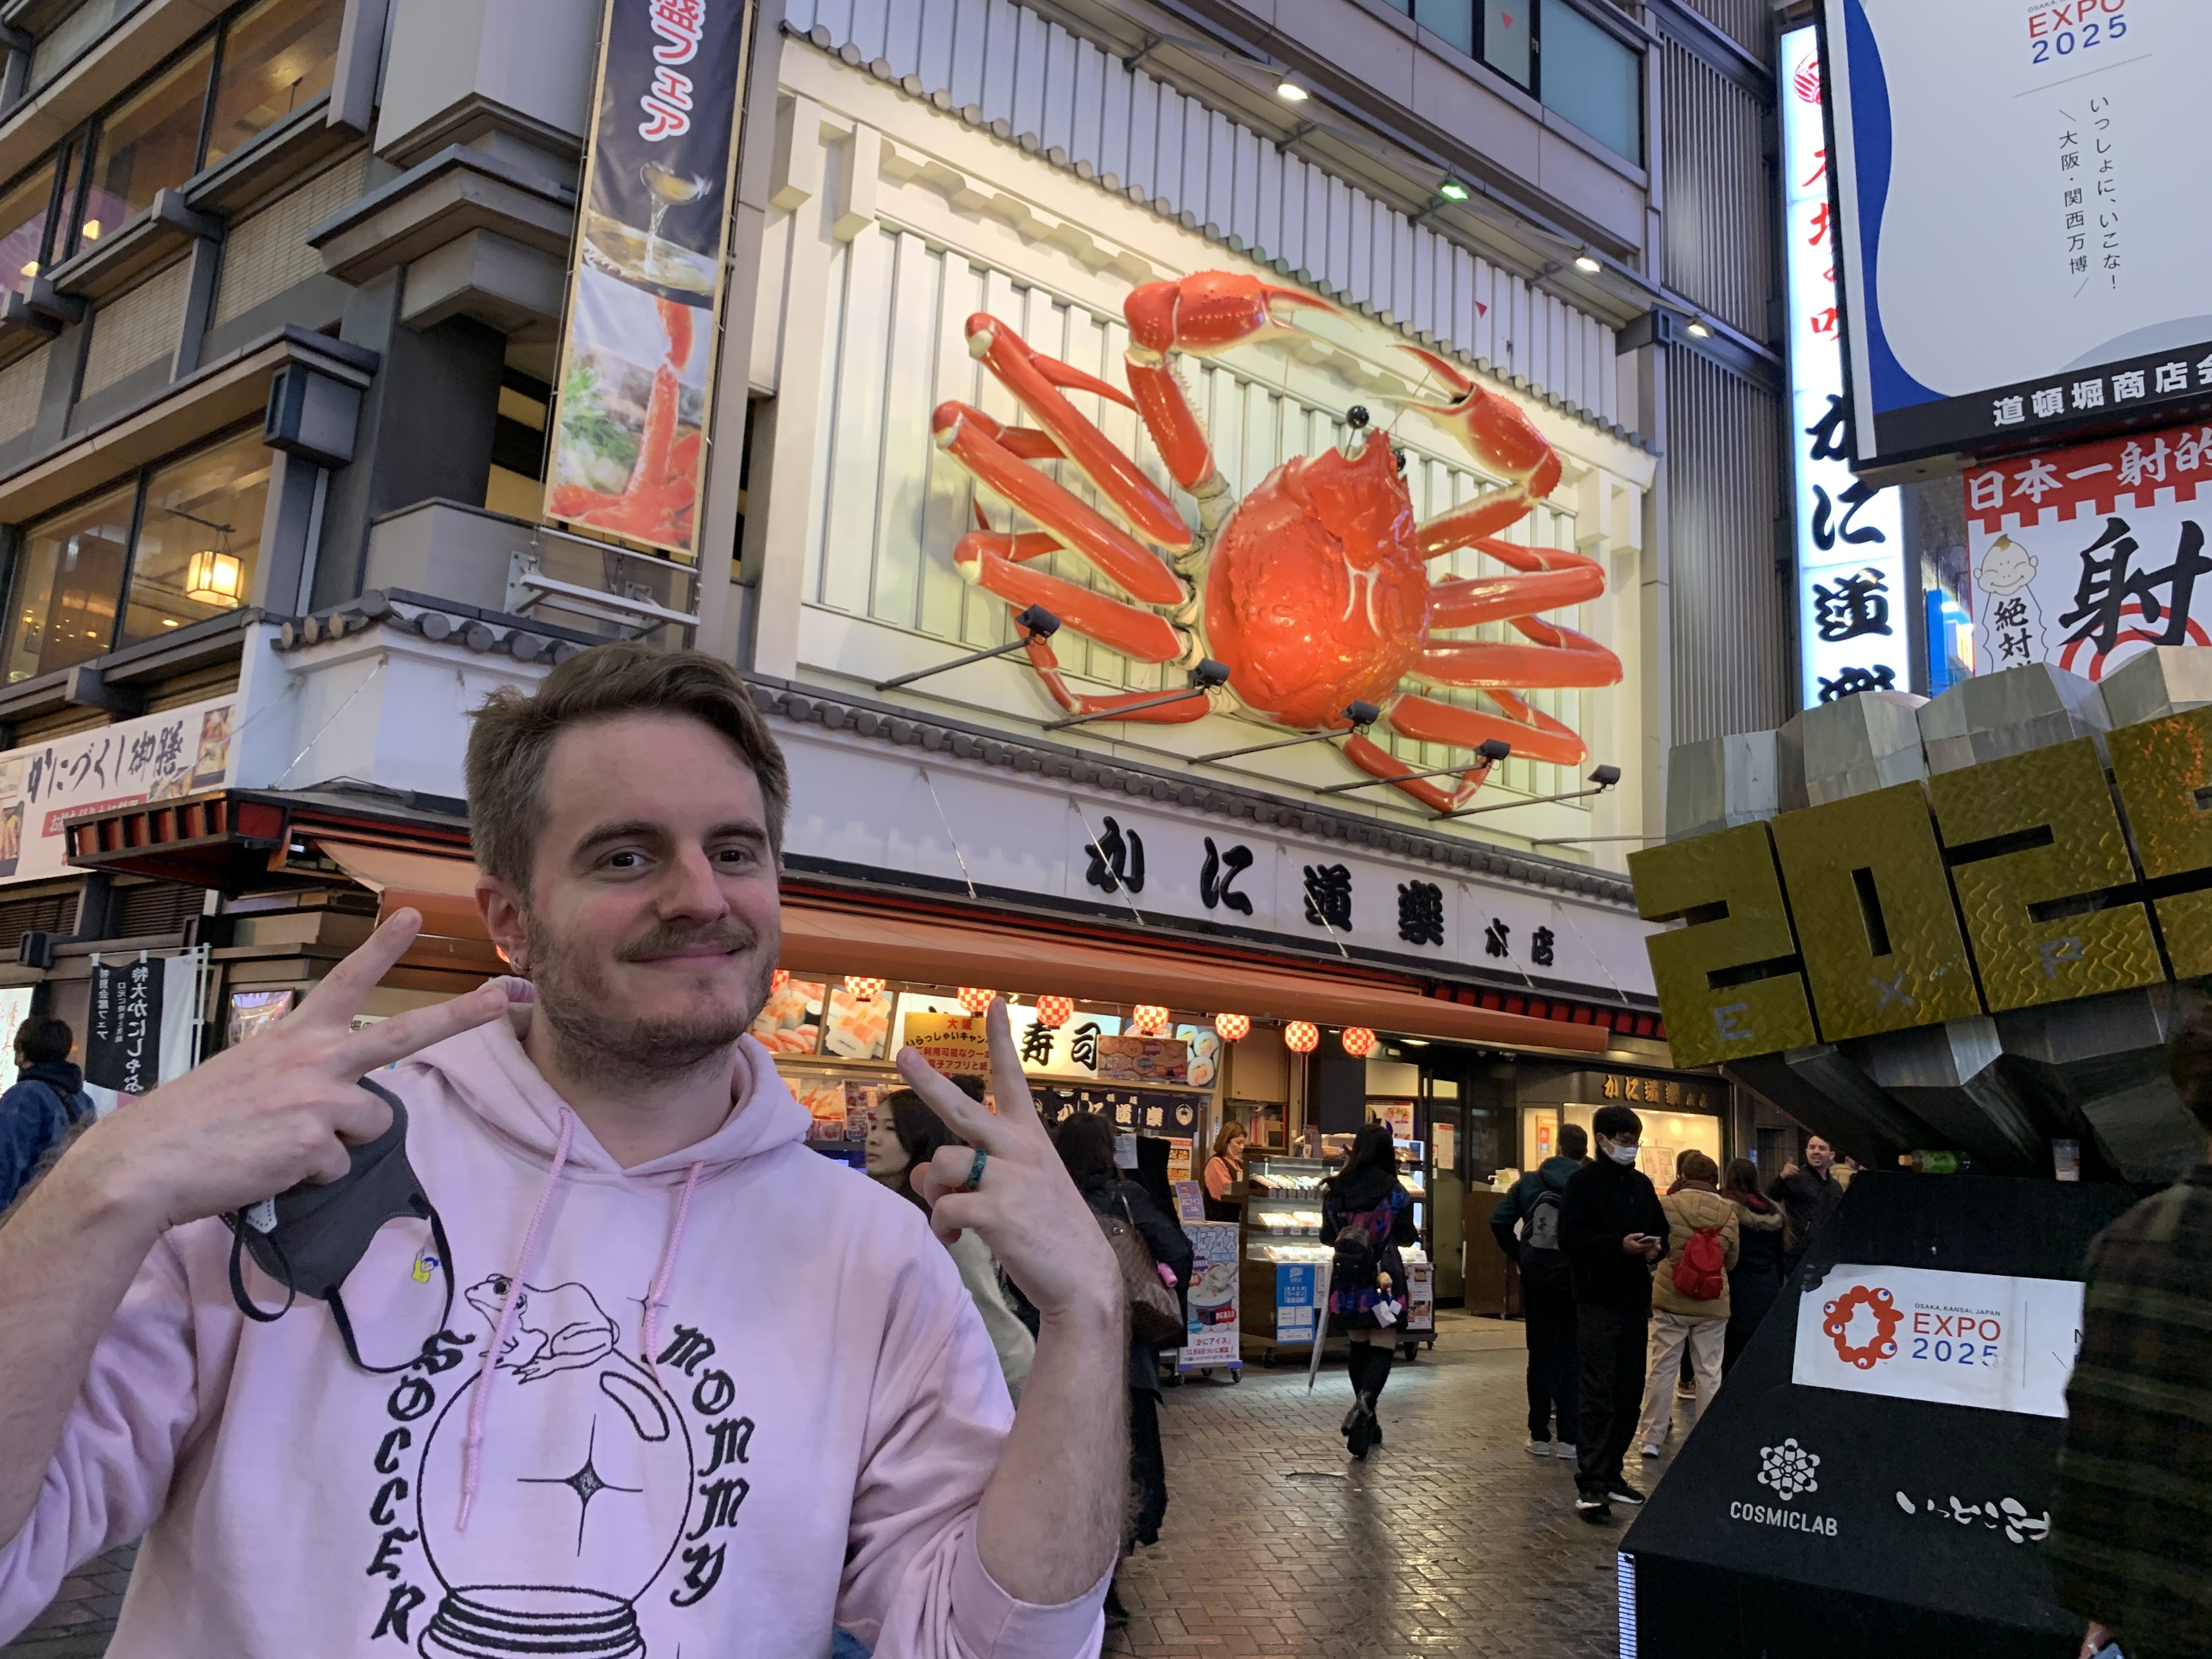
1808,1197
1547,1296
47,1100
2129,1548
1613,1229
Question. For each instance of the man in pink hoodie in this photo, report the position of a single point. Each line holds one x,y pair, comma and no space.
701,1390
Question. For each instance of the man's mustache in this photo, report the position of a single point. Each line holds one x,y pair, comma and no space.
729,934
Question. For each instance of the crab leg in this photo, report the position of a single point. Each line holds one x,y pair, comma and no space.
1143,635
1043,659
971,438
1493,429
1563,658
1533,734
1036,381
1200,314
1486,598
1378,762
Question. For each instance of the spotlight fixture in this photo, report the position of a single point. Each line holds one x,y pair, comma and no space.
1453,190
1698,330
1290,92
1586,265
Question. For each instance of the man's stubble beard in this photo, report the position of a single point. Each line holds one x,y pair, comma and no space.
595,1044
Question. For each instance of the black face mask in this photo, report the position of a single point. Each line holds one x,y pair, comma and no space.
310,1239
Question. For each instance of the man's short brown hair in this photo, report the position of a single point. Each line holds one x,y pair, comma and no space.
514,731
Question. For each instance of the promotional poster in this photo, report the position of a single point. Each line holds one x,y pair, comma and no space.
2064,114
2086,557
626,449
179,751
1213,1337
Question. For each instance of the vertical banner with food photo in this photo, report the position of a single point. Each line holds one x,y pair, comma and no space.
637,353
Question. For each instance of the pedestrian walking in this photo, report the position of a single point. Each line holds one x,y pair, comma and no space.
1756,1278
1367,1216
1086,1147
1526,1225
917,1136
2128,1546
1808,1196
1689,1296
45,1104
1224,1174
1613,1229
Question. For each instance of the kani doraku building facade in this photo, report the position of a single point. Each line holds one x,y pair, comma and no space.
1142,454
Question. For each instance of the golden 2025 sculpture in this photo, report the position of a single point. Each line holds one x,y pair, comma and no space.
1313,590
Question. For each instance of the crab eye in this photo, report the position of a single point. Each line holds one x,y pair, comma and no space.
1399,455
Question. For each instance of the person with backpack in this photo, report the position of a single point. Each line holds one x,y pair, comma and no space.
1526,1225
1690,1296
1613,1229
47,1102
1367,1217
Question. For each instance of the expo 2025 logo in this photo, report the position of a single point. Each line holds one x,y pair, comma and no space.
1886,1318
1787,1469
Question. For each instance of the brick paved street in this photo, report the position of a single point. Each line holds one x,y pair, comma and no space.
1448,1539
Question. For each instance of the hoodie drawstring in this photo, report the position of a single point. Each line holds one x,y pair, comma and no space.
653,1297
488,1369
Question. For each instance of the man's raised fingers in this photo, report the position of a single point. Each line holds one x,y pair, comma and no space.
1010,1087
964,1116
361,1119
346,987
418,1027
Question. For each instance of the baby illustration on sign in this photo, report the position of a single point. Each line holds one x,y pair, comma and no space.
2008,620
525,1573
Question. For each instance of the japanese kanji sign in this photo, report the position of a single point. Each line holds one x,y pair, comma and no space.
140,1031
2085,556
179,751
1850,556
2071,297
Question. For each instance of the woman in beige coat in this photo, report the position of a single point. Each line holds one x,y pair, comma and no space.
1690,1296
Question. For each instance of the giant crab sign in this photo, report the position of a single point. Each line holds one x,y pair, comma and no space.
1313,590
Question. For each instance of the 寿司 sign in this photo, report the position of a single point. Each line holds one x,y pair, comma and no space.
2084,557
1983,1340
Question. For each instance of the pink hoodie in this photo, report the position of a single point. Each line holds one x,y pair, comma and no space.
741,1393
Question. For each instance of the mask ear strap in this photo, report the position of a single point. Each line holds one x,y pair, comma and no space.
345,1325
246,1304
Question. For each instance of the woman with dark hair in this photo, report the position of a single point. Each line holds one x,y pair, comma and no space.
1224,1174
1086,1147
1756,1278
1366,1214
906,1135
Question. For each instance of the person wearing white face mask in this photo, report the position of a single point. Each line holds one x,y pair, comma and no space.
1613,1229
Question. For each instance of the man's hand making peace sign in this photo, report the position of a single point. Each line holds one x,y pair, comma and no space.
247,1125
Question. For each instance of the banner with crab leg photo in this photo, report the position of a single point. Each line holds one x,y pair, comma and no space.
625,451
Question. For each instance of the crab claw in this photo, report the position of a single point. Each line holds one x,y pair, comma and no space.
1210,311
1493,428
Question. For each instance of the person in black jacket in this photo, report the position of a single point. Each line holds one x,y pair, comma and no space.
1756,1279
46,1105
1613,1230
1367,1215
1808,1197
1086,1147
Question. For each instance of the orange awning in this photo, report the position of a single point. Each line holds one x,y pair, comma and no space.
443,889
827,939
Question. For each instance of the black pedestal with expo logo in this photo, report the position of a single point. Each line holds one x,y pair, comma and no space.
1918,1530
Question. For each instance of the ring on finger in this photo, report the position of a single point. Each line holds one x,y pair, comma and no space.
976,1171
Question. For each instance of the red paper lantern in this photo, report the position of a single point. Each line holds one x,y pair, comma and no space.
1301,1036
778,980
862,986
1233,1028
1054,1011
1150,1019
975,1000
1358,1041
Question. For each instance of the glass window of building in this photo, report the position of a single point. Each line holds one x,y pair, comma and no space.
23,211
1451,21
67,579
1593,80
149,142
1505,38
275,57
199,538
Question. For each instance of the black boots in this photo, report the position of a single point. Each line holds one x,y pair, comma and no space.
1370,1365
